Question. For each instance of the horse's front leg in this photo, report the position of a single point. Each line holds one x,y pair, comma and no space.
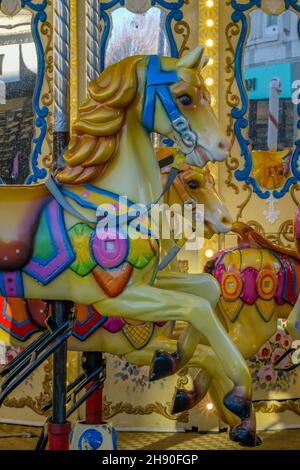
148,303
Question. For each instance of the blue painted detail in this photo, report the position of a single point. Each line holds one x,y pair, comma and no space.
2,286
39,16
238,114
157,87
114,438
285,287
175,13
91,439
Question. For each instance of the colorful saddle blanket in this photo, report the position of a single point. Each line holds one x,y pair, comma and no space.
22,319
255,276
81,248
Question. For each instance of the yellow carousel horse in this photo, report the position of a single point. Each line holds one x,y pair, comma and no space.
260,282
53,244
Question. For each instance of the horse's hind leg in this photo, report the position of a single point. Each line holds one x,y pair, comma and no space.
243,432
148,303
202,285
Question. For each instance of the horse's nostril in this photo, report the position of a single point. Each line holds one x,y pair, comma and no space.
226,221
223,145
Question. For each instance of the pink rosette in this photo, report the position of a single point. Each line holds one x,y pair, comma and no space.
266,375
265,351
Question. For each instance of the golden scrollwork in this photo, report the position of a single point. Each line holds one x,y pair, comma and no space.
232,100
278,406
242,206
182,28
47,96
110,410
284,236
35,403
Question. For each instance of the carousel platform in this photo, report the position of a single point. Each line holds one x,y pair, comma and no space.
272,440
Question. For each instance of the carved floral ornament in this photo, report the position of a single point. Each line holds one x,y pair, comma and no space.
10,7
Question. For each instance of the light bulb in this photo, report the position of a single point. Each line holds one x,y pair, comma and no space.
209,81
209,253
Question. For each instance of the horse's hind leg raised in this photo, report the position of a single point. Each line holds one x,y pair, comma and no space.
148,303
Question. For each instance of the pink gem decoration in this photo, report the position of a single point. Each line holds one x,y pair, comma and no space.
109,249
249,294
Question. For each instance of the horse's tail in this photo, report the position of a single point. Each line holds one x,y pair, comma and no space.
253,239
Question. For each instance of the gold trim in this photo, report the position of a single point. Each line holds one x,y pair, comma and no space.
35,403
283,237
110,410
278,406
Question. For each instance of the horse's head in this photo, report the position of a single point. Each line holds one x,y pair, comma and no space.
196,186
162,95
176,103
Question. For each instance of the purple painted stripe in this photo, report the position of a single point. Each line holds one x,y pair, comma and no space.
65,255
12,284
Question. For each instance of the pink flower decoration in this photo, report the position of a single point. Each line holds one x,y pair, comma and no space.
278,336
277,353
286,342
265,351
266,375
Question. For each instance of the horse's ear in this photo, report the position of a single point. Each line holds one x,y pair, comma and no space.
192,60
204,62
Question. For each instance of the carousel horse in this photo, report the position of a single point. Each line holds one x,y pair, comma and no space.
53,244
137,341
260,282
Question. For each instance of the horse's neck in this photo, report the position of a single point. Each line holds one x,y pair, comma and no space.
133,171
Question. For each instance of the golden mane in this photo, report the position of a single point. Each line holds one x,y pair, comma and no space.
101,117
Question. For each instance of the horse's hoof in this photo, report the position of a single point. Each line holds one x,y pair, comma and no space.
163,365
238,404
183,401
245,436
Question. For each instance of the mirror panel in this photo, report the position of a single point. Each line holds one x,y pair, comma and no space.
136,33
267,63
129,27
25,94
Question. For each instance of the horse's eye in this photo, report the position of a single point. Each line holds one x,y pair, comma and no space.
194,184
185,100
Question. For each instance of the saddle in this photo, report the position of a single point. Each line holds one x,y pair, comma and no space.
20,210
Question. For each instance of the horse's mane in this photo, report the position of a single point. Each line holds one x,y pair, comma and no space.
101,117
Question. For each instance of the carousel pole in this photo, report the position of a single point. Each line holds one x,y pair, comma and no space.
61,125
92,40
92,360
59,428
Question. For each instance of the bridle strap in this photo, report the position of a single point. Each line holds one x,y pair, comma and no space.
157,86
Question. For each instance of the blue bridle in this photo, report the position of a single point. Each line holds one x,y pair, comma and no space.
157,86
